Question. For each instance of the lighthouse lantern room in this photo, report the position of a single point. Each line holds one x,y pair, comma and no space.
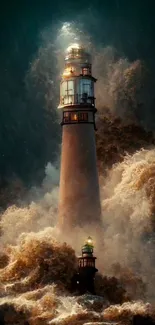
77,87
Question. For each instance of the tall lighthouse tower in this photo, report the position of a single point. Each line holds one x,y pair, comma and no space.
79,203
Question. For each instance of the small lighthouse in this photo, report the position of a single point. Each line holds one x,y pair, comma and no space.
79,200
86,268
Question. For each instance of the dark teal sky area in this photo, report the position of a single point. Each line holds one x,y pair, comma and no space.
28,135
129,25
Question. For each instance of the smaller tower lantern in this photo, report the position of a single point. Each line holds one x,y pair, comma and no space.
86,268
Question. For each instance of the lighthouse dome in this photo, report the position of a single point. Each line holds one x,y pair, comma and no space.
77,52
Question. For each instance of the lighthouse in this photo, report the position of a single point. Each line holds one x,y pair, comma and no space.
86,268
83,280
79,198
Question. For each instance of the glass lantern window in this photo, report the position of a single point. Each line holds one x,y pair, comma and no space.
67,88
67,92
86,87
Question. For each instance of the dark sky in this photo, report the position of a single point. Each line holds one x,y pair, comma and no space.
128,24
28,136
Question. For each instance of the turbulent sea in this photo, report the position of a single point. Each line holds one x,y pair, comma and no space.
37,261
37,264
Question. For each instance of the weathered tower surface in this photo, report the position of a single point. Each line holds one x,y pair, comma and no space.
79,188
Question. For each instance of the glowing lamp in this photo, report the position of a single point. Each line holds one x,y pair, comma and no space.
68,71
75,117
89,241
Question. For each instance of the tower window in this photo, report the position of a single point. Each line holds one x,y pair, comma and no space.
74,117
85,262
85,88
67,92
66,117
83,117
86,71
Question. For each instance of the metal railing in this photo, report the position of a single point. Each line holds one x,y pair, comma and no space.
77,99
